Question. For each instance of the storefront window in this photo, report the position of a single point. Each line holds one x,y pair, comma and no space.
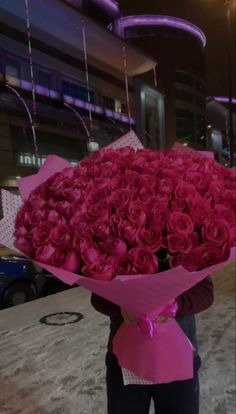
108,102
76,91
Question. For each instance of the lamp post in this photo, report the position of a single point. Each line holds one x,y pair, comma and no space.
32,123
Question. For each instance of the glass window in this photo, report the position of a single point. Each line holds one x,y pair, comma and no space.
124,108
108,102
118,107
200,102
183,77
200,86
184,96
12,68
76,91
42,78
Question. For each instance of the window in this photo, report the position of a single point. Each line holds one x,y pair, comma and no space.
184,96
200,86
184,123
183,77
184,113
200,102
108,102
124,108
42,78
118,107
12,68
76,91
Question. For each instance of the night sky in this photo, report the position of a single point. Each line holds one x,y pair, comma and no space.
210,16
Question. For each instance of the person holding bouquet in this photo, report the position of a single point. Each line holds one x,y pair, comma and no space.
178,397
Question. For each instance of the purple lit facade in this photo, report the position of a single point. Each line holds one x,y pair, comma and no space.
158,20
108,5
178,46
221,99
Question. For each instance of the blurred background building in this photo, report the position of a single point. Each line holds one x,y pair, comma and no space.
179,48
96,75
68,107
218,129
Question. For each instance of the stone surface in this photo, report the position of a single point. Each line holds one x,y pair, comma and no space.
59,369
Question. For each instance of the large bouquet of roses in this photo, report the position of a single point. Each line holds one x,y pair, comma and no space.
118,219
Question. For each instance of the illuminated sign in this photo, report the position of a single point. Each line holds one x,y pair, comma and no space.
30,160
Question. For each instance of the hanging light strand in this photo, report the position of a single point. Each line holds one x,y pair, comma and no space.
33,89
127,85
155,76
87,74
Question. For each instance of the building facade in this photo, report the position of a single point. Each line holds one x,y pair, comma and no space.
179,48
96,75
218,130
79,100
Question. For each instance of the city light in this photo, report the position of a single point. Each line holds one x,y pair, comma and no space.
159,20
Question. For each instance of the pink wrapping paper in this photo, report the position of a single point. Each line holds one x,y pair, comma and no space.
169,352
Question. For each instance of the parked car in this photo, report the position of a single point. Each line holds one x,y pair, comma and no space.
21,281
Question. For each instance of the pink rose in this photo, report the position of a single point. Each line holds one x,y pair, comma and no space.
145,181
190,261
68,172
89,251
65,208
24,245
61,235
137,212
144,261
36,215
21,231
216,231
228,198
162,199
184,190
97,195
119,199
127,151
233,236
59,183
178,204
224,213
165,185
193,177
179,243
132,179
146,193
199,210
127,230
79,223
40,234
210,254
102,270
44,253
54,218
139,164
21,216
65,258
100,230
114,246
180,223
100,211
157,218
149,237
123,265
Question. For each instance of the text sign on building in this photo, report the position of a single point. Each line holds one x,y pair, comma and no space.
30,160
